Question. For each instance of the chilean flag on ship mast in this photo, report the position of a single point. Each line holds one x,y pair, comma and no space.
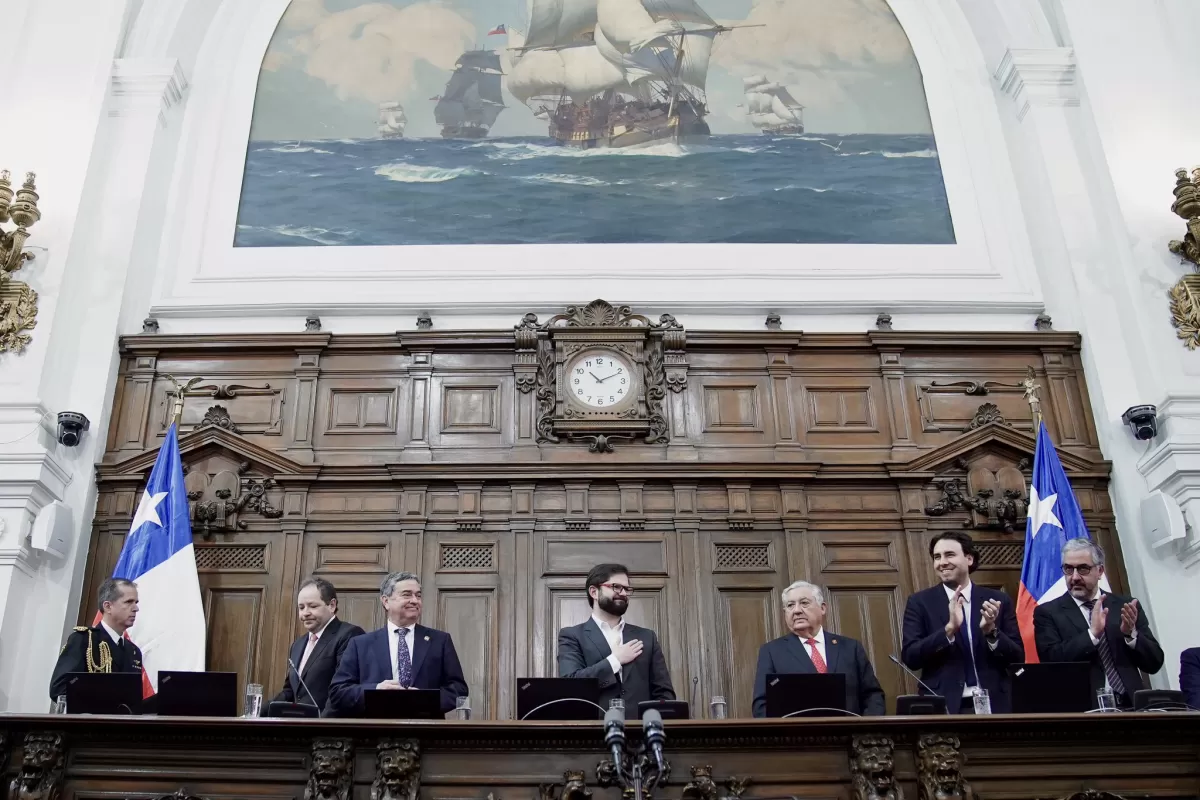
1053,518
159,557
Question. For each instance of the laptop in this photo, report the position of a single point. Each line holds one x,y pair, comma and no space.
104,693
558,698
1052,688
402,704
669,709
806,695
197,694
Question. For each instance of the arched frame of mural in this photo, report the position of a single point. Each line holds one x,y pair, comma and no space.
989,268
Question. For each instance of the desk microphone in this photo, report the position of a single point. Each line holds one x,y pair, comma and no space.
913,675
652,724
304,686
695,685
614,736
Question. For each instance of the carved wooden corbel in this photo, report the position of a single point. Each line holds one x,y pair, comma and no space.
872,767
42,768
331,770
397,770
939,769
703,787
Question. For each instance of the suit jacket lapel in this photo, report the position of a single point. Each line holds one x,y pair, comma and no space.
382,648
597,637
1070,609
420,648
799,653
833,651
322,645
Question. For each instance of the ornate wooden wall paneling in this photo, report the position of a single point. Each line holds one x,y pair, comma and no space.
792,456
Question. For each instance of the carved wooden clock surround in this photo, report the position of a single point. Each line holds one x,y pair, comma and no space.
648,347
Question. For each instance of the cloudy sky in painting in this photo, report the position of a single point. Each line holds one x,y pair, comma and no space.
331,62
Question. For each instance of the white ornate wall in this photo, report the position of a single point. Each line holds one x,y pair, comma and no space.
1058,122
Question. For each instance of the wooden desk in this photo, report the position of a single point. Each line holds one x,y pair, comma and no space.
104,758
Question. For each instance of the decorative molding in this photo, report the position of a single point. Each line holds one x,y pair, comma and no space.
774,322
218,415
872,769
143,84
331,770
883,322
43,768
1041,77
397,770
312,324
1043,323
150,325
424,322
986,414
18,314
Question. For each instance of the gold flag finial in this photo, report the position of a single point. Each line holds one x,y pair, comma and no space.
181,390
1033,397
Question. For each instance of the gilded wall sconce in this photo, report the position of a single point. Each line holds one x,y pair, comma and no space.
18,302
1185,294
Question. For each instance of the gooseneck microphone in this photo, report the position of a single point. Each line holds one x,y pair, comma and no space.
614,737
304,686
695,684
652,724
912,674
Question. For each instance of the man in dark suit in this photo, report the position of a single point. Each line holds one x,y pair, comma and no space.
962,636
809,648
625,658
102,647
1189,676
317,653
1108,630
400,655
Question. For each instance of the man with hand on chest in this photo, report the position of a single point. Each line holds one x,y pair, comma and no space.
102,647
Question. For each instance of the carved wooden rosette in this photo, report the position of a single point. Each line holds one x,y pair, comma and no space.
939,769
331,770
397,770
42,768
872,768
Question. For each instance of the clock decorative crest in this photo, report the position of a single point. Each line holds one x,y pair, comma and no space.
602,374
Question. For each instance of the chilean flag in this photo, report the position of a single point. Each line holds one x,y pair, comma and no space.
1053,518
158,555
496,31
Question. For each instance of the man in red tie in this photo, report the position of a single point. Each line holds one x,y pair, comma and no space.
810,648
315,655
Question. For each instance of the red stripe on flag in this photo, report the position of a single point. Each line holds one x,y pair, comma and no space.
1026,603
147,688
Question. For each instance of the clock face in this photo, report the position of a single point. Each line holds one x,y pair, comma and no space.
600,379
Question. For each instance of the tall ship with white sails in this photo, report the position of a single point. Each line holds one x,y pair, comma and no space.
391,120
771,107
469,106
616,73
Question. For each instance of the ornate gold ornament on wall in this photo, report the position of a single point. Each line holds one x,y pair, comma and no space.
1185,294
18,302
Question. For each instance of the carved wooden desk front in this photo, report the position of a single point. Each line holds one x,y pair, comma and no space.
921,758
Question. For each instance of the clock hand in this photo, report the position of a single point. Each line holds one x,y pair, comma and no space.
597,380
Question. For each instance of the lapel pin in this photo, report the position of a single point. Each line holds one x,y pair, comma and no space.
427,638
833,641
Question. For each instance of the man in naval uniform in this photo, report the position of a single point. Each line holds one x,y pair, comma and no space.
103,647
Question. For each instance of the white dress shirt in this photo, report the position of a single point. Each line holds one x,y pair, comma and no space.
819,636
409,634
116,637
311,644
612,635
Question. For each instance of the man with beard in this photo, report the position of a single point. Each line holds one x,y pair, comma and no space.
1105,629
962,636
810,649
103,647
400,655
625,658
316,654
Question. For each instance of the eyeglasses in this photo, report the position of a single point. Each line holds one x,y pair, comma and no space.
1082,569
618,588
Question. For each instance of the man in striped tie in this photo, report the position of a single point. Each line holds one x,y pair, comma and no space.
810,648
1086,624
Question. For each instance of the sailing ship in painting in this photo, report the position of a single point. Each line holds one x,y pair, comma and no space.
471,102
616,73
391,121
771,107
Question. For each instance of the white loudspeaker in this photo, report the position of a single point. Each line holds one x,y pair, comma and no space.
1162,520
52,530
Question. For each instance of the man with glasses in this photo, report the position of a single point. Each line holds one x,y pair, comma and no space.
1105,629
625,659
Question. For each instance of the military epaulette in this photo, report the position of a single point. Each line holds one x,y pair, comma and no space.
81,628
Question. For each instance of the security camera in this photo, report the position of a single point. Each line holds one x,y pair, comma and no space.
1142,420
71,425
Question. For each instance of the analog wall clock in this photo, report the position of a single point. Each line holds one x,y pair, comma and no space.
600,379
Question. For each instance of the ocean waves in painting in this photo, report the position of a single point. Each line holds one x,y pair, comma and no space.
863,189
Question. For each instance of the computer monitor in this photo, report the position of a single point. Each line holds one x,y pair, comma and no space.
558,698
806,695
1052,688
669,709
197,694
402,704
104,693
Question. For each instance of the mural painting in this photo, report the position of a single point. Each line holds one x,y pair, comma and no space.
401,122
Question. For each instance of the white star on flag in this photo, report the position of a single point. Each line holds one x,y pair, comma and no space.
1041,510
148,510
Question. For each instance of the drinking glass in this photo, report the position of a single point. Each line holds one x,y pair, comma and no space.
462,708
718,707
1105,700
617,703
983,703
60,705
254,699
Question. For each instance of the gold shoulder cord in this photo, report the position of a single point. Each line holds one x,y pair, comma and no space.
105,664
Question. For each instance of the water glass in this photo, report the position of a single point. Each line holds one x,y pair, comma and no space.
718,708
254,700
60,705
1105,700
616,703
462,708
983,703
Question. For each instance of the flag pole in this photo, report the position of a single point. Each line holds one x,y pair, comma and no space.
1033,396
181,390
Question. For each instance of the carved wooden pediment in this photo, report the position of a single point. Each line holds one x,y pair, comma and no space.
998,438
211,439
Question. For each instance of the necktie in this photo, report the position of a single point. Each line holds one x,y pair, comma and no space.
403,662
965,643
312,644
1106,657
818,662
